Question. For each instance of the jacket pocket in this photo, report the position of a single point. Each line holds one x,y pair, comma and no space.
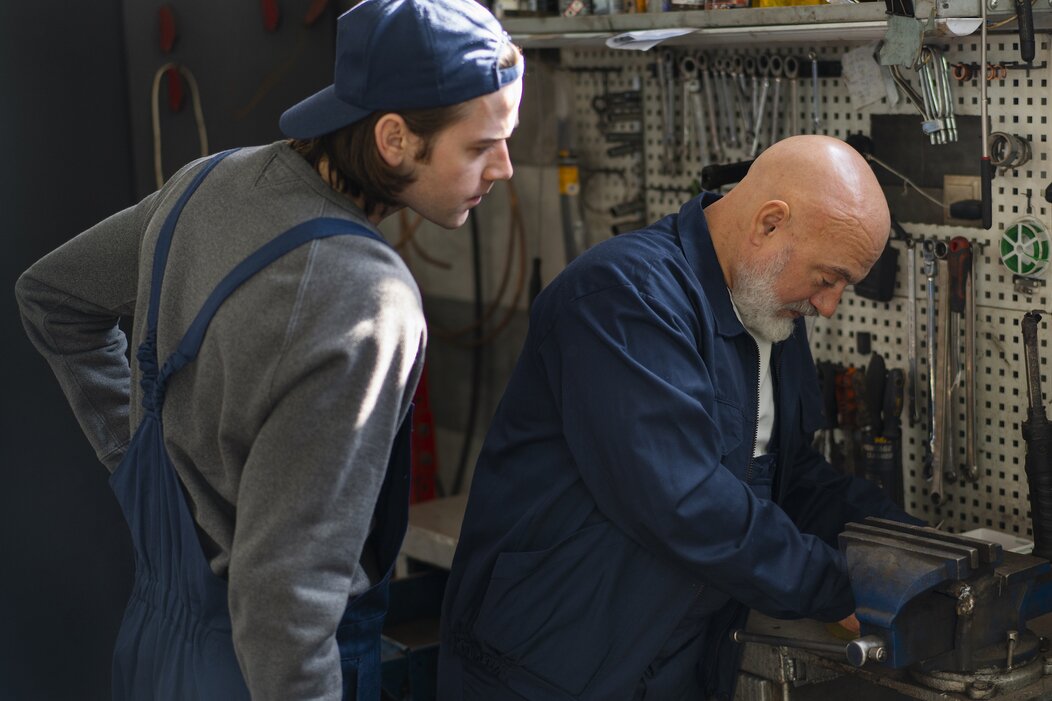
730,422
552,612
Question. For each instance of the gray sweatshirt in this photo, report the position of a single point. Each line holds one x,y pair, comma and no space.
281,430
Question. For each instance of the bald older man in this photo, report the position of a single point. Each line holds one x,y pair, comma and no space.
649,475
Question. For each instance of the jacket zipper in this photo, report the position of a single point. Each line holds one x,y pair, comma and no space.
756,415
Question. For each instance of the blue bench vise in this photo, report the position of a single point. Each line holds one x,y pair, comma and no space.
937,601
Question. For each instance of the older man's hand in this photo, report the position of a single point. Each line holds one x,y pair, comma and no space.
851,624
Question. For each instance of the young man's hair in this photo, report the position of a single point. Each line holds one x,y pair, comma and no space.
354,164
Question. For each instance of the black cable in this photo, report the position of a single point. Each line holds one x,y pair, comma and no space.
476,356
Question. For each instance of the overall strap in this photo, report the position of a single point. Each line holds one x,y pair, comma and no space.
153,393
164,239
322,227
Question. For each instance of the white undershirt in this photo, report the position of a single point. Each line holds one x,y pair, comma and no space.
765,419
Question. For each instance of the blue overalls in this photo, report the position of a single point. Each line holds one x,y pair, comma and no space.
175,641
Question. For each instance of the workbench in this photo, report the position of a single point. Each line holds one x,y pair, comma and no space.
787,673
768,673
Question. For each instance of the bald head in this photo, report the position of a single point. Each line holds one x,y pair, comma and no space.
812,205
825,179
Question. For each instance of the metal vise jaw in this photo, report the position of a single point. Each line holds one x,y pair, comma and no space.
939,601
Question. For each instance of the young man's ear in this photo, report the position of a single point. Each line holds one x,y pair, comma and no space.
393,139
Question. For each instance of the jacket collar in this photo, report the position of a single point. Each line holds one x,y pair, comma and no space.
696,242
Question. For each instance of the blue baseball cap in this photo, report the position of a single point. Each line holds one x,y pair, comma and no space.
405,54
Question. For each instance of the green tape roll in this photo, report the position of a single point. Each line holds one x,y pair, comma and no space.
1024,247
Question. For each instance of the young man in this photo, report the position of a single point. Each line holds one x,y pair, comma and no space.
649,473
259,439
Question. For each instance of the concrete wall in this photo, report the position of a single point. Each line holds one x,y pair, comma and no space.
65,560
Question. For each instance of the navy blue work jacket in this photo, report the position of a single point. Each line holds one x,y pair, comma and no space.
616,495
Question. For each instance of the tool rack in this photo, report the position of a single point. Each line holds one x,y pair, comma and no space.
1018,104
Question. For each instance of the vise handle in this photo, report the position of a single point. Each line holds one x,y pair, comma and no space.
858,651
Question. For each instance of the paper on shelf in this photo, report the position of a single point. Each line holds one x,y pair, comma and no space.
643,39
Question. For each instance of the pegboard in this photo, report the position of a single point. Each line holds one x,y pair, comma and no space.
1017,104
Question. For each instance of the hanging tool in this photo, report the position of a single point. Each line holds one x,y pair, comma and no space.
816,115
875,378
722,76
791,67
1037,432
941,439
911,324
570,205
707,80
750,70
847,401
827,381
933,73
761,104
971,467
168,32
986,172
962,305
893,390
776,68
693,111
742,99
878,460
933,251
688,69
271,13
314,12
1024,12
669,164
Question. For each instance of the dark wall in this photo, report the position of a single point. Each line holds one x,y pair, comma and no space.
64,552
246,75
76,81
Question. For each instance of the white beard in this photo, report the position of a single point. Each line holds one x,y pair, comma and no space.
757,301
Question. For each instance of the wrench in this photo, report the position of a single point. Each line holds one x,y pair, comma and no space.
741,96
791,67
758,123
816,116
693,116
935,266
775,67
710,106
962,303
934,470
688,72
971,470
911,328
668,137
724,90
943,459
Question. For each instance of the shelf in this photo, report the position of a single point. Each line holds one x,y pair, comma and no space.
772,25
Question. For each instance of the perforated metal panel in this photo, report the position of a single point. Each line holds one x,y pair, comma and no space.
1017,104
